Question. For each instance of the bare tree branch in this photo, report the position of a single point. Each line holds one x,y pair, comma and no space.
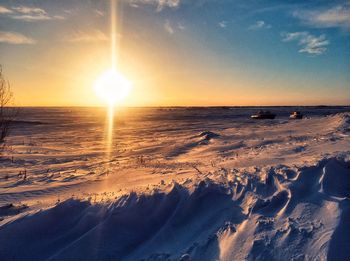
7,113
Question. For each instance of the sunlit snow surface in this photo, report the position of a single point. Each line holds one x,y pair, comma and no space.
179,184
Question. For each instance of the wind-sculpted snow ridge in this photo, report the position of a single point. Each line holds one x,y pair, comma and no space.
283,213
203,138
344,125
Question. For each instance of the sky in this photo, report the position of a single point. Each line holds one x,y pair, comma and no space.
179,52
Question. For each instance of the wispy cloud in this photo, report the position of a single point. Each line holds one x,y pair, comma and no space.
28,13
160,4
223,24
29,10
85,36
338,16
5,10
259,25
181,26
308,43
168,27
36,17
15,38
99,13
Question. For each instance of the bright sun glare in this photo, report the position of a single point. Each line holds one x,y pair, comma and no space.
112,87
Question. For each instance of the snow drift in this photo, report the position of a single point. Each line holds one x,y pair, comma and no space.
282,213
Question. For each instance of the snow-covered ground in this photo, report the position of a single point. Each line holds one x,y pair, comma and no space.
179,184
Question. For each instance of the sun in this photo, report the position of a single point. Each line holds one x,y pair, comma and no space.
112,87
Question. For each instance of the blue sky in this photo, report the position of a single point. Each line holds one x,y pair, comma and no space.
180,52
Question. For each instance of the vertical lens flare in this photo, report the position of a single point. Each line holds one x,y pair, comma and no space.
109,137
112,86
113,6
114,34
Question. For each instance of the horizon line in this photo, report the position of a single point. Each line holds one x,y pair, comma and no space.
177,106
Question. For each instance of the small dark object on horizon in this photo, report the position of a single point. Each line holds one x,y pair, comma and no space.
296,115
263,115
